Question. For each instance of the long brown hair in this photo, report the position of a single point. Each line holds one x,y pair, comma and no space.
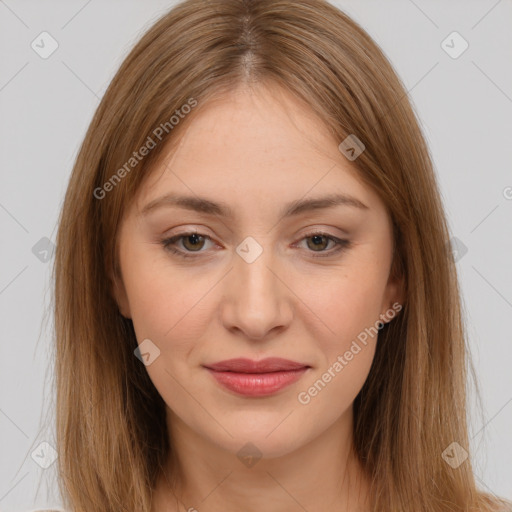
110,420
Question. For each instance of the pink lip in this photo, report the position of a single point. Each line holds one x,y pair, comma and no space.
257,378
243,365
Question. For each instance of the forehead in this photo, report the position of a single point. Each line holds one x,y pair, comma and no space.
258,129
255,146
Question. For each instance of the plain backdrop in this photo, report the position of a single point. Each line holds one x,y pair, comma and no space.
465,108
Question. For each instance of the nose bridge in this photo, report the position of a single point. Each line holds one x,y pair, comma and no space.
256,298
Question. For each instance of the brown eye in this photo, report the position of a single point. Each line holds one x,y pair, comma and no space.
318,242
190,243
193,242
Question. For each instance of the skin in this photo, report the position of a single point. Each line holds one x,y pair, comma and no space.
257,150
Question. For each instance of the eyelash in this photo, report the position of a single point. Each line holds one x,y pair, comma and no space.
340,244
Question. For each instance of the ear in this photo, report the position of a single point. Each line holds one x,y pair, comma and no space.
120,295
394,296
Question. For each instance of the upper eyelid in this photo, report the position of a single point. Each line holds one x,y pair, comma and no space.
311,232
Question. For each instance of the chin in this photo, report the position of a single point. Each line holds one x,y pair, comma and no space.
269,439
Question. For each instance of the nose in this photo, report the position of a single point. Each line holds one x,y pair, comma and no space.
256,299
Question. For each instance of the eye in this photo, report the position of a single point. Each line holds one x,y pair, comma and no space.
319,240
193,242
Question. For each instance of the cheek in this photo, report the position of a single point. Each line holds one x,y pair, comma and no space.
347,306
166,304
347,302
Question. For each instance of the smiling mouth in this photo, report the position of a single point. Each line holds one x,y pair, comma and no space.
258,384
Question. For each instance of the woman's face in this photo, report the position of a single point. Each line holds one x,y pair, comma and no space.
256,281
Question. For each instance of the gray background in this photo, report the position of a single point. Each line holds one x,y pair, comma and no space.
465,106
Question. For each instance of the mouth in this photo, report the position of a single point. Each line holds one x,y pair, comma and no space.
256,378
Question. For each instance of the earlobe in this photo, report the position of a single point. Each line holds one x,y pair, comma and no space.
398,293
120,295
393,298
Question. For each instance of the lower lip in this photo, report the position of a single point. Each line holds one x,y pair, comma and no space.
257,384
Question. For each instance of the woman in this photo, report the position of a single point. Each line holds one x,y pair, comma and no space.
255,306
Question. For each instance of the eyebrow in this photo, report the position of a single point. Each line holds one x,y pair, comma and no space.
207,206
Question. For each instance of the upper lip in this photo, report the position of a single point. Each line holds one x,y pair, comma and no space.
243,365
